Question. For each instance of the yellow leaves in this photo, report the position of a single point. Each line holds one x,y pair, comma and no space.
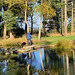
20,2
45,9
13,2
29,8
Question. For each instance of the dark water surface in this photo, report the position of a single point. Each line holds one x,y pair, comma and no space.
53,64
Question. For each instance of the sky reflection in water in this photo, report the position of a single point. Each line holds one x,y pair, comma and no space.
53,61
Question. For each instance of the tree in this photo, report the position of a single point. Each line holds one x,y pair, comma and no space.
57,5
25,8
30,14
61,19
9,21
72,20
65,17
44,18
47,10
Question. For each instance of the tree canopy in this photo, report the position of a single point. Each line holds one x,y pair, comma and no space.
9,19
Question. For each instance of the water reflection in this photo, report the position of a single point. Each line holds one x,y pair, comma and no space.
3,67
53,64
35,60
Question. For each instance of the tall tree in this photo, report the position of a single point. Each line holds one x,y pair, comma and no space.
26,15
58,6
25,7
44,18
31,23
65,17
9,21
61,19
4,35
72,20
31,13
47,10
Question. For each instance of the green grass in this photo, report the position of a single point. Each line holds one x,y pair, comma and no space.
54,39
59,37
44,40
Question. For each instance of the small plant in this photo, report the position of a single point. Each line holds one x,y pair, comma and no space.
62,47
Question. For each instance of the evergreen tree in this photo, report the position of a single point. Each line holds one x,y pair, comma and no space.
9,21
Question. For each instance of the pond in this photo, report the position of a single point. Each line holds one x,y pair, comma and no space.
52,63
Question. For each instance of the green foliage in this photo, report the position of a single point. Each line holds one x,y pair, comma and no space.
63,47
12,68
73,45
11,64
22,71
1,2
13,2
18,5
18,9
57,3
9,19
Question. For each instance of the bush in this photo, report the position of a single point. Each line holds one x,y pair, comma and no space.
73,45
62,47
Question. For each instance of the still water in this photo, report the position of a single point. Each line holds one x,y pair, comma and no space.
53,64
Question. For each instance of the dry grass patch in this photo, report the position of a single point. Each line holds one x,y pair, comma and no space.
12,42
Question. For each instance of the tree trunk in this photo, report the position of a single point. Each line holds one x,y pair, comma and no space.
4,36
11,34
32,23
57,23
43,25
0,33
25,28
26,18
72,20
61,20
39,36
65,17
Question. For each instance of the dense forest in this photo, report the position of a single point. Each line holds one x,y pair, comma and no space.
55,16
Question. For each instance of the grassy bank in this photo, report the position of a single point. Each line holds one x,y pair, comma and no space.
44,40
54,39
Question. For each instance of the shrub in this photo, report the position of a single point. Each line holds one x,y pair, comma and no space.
73,45
62,47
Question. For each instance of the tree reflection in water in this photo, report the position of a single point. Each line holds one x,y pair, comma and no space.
53,64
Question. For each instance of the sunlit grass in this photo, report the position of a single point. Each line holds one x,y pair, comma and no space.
12,42
44,40
54,39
